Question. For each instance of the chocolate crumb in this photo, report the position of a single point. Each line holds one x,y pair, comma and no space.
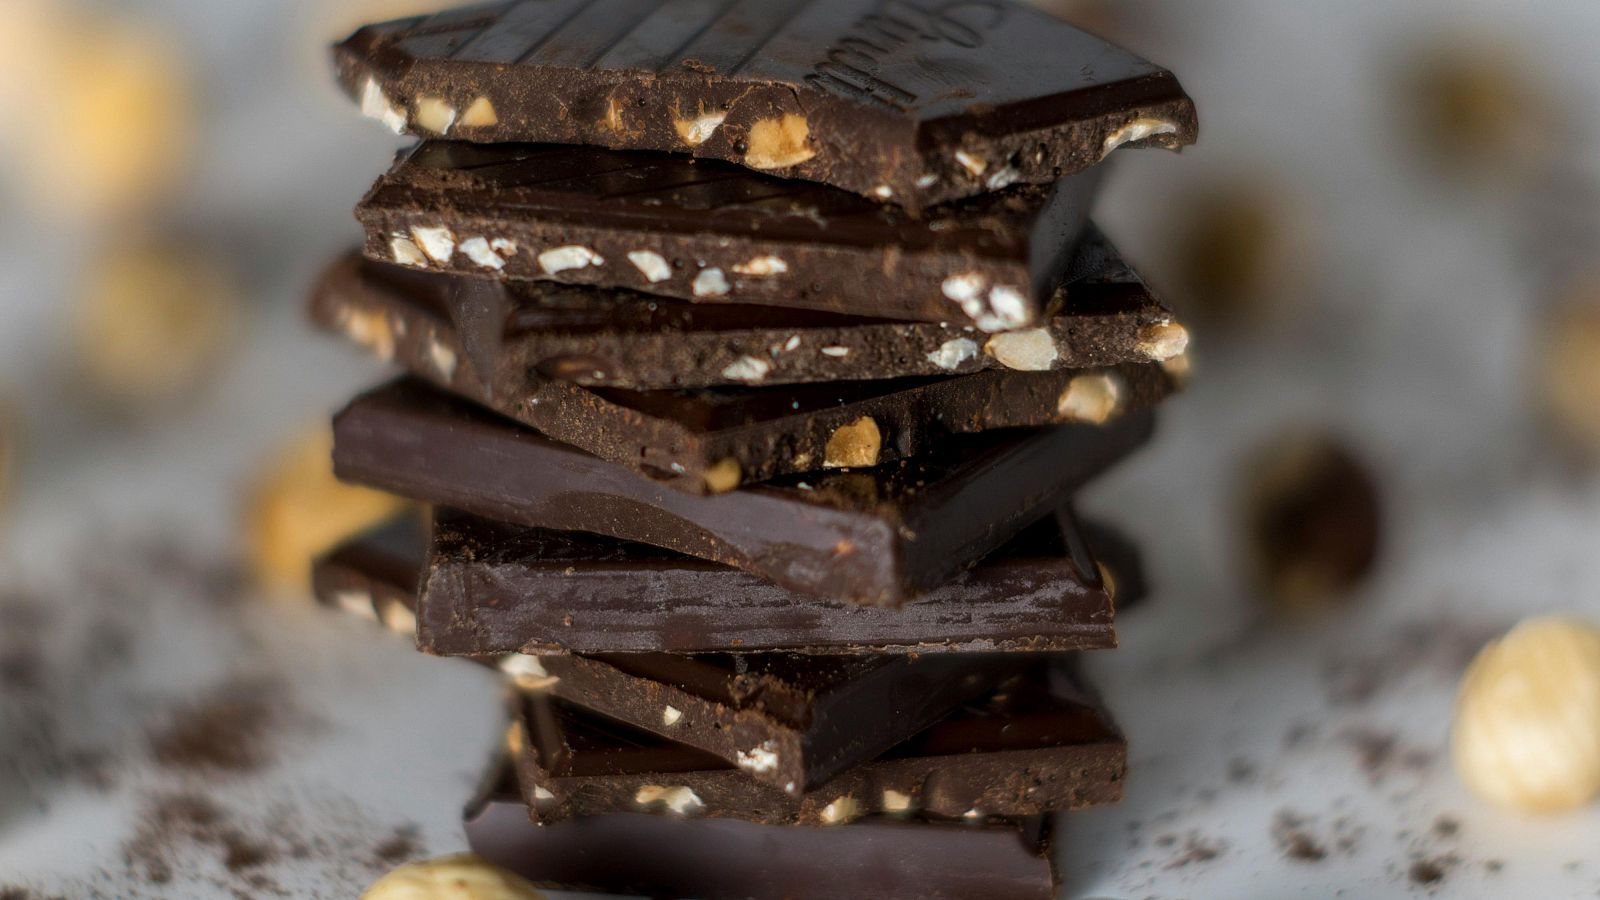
1446,826
1427,871
1494,866
1196,849
1294,842
402,846
226,730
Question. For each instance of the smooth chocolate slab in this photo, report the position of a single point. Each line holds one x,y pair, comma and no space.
710,232
614,337
711,439
914,102
491,588
792,720
726,859
879,536
1023,751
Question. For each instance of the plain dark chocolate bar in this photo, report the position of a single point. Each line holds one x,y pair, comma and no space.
713,439
726,859
491,588
793,720
614,337
879,536
905,101
1025,750
706,231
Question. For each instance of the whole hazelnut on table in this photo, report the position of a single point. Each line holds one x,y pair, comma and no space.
1527,717
461,877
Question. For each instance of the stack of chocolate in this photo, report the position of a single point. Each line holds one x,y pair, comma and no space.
755,351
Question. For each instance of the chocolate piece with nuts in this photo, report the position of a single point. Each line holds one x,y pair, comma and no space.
726,859
713,233
908,103
1022,751
879,536
613,337
712,440
791,720
489,589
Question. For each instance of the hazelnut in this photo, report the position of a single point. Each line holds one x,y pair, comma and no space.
699,129
724,476
1094,398
298,511
1033,350
1527,717
460,877
854,445
1312,519
151,325
480,114
1569,369
435,114
1474,109
108,110
778,143
1239,251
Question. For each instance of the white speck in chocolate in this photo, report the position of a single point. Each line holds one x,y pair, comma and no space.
762,265
527,672
1010,305
652,265
792,342
895,802
443,358
504,246
747,368
963,288
680,800
836,352
710,283
434,114
1162,341
357,603
671,715
698,130
977,165
927,181
1033,350
1138,130
759,760
841,811
1003,177
478,250
952,353
543,794
438,242
883,192
572,256
480,114
1093,398
405,251
374,105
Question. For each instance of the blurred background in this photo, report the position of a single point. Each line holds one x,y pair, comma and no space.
1384,246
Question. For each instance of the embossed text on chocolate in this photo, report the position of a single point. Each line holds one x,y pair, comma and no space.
852,65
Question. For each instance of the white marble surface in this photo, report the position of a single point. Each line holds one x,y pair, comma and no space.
1413,341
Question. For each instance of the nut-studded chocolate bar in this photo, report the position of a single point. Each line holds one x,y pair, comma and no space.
490,589
726,859
614,337
710,232
792,720
1027,749
879,536
910,101
712,440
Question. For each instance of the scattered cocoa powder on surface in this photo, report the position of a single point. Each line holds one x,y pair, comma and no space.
230,729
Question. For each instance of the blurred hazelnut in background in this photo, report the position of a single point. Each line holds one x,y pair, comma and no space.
1567,367
1474,108
1312,520
151,324
97,110
297,510
1240,253
1527,718
461,877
